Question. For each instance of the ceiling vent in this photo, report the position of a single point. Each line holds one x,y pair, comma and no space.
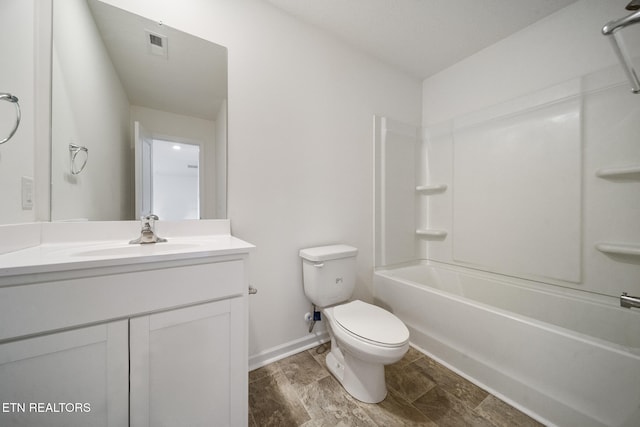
156,43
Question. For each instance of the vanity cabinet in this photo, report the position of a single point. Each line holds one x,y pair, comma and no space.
186,366
139,344
72,378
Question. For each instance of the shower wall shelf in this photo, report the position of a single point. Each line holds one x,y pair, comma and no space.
619,249
431,189
431,233
629,172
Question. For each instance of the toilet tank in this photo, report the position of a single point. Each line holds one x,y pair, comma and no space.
329,273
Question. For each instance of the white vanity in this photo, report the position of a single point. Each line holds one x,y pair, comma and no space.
94,331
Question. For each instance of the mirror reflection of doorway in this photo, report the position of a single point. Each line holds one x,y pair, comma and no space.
176,180
167,177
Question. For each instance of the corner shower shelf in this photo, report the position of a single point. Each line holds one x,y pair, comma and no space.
431,233
628,172
431,189
619,249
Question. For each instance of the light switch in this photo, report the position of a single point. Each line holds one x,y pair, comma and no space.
27,193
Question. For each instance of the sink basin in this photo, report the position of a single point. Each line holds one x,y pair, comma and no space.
134,250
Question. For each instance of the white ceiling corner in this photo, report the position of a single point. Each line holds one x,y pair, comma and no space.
421,37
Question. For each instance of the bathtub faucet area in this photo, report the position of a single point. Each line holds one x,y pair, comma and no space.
628,301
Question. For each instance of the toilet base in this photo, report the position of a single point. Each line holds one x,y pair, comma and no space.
362,380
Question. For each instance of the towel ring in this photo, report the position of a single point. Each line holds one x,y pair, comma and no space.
74,150
10,98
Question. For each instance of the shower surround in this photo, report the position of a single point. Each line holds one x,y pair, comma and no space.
505,237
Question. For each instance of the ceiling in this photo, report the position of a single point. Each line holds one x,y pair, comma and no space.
421,37
191,80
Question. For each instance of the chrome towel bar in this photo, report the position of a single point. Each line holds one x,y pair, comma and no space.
627,301
74,150
13,99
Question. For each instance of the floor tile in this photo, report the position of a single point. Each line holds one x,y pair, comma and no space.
503,415
394,410
411,356
274,402
265,371
410,380
466,391
326,400
252,421
299,391
320,353
331,422
302,369
447,410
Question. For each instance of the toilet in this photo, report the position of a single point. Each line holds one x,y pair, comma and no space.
364,337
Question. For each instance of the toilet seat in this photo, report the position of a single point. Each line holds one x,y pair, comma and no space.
364,338
370,323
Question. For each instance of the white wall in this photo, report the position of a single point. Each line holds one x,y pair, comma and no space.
301,108
563,46
17,35
89,108
539,208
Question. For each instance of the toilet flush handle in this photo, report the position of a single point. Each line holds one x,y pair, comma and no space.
319,264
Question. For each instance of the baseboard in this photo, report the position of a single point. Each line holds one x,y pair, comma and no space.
274,354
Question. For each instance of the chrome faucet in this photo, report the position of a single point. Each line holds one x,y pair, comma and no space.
627,301
148,232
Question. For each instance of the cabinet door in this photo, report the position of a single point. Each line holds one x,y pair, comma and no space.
72,378
189,366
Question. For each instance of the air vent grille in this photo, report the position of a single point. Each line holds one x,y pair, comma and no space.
156,43
155,40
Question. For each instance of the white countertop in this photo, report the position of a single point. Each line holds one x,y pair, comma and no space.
91,254
67,247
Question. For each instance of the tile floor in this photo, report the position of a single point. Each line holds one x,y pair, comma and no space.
300,391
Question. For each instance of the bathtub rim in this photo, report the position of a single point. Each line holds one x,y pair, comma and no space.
527,284
566,289
542,401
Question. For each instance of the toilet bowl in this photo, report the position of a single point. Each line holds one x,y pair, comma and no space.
364,337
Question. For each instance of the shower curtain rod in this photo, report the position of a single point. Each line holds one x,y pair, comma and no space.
611,29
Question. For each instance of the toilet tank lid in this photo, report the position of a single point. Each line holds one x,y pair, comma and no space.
326,253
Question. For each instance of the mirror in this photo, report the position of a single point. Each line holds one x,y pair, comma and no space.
139,118
23,72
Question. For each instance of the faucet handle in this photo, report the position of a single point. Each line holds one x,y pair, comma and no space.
149,218
148,222
148,234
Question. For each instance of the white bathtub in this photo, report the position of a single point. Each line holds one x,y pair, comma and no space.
564,358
